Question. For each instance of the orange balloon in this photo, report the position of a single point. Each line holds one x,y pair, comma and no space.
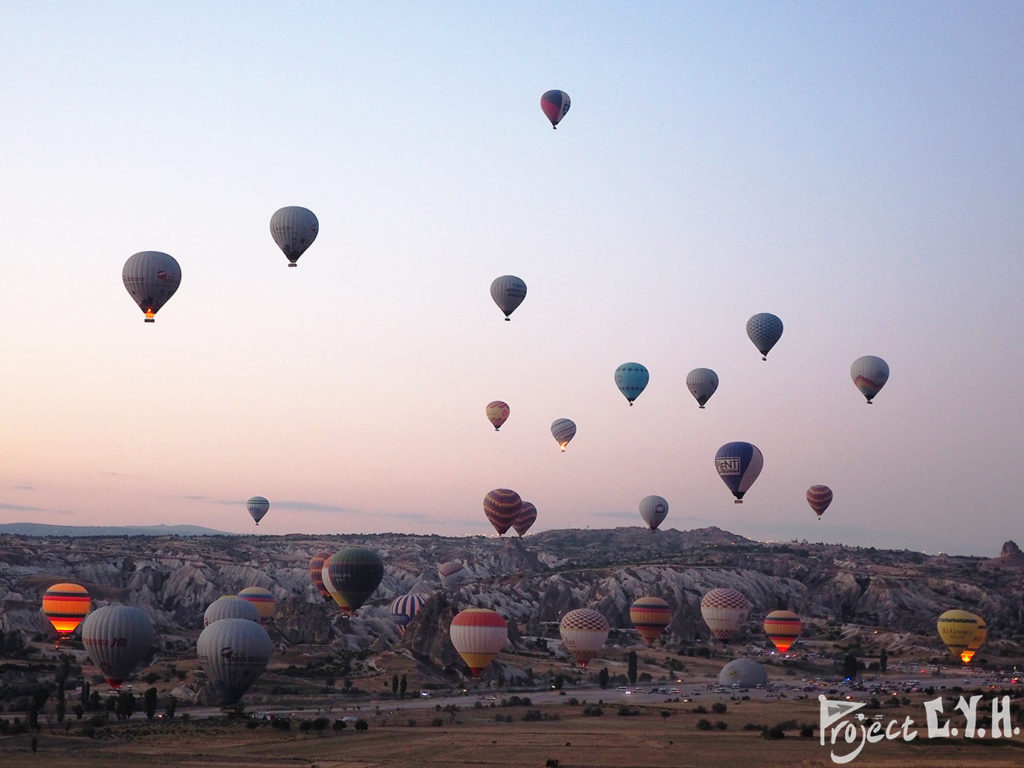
782,628
65,605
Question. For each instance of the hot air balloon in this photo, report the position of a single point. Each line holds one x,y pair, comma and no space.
497,413
263,599
294,229
230,607
631,379
764,329
650,616
976,642
702,383
404,608
233,653
325,574
563,430
957,630
117,638
355,575
65,605
555,104
502,506
782,628
819,497
508,292
869,374
653,509
527,516
316,573
151,278
738,465
478,635
452,573
583,632
257,507
724,611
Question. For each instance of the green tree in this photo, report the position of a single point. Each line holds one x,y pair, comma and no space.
170,707
62,709
149,703
631,669
394,684
603,678
850,666
883,660
401,686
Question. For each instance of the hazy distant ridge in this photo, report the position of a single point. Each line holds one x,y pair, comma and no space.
41,529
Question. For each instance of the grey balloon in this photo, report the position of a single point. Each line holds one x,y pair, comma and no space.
508,292
230,607
151,278
746,673
117,638
653,509
294,229
233,653
869,374
702,383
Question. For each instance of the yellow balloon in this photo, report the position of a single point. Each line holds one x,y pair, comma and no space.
957,630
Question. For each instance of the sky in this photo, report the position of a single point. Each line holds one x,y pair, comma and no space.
855,168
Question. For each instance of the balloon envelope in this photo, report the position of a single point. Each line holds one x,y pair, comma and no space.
325,574
497,413
782,628
976,642
263,599
478,635
294,229
702,383
584,632
631,379
355,575
508,292
527,516
151,278
117,638
650,616
738,465
653,510
257,507
563,430
956,630
869,374
554,105
452,573
819,497
724,611
502,506
764,329
230,607
316,573
233,653
403,609
65,605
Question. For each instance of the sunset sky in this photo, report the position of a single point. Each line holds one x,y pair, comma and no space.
855,168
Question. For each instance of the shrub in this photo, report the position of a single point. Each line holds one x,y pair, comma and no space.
719,708
593,711
437,722
339,725
362,725
775,732
807,731
704,725
721,725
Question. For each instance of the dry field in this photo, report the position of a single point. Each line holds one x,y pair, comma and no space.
473,737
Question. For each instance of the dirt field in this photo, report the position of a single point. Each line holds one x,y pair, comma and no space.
475,737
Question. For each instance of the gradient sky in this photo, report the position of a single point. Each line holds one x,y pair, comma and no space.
855,168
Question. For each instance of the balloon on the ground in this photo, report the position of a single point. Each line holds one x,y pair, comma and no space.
452,573
702,383
782,628
527,516
746,673
554,105
631,379
294,229
257,506
502,506
957,630
584,632
65,605
765,330
151,278
819,497
869,374
403,609
263,599
653,510
650,616
355,575
117,638
233,653
977,641
724,611
738,465
478,635
231,607
508,292
563,430
497,413
316,573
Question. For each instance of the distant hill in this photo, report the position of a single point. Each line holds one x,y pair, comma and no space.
39,529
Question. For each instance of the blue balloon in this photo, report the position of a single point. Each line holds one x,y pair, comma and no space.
764,329
631,379
738,465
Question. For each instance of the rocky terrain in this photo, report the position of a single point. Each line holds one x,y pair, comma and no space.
853,599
